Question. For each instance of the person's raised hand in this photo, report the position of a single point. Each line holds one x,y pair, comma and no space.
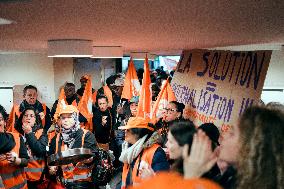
104,120
27,127
52,170
13,158
201,158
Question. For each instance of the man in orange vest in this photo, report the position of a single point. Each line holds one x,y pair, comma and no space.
30,99
70,136
71,97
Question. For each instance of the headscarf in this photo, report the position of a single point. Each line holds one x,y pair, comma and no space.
68,135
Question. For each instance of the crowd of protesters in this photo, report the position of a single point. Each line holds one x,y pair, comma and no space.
172,150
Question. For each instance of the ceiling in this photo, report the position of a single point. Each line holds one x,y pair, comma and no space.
155,26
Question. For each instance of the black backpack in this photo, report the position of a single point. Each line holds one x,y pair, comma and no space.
103,168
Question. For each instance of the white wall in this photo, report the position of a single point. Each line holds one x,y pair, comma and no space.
63,72
275,73
29,68
274,78
99,69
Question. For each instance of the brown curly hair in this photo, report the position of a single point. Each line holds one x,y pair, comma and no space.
261,160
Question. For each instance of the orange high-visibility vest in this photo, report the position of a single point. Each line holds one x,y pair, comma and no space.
79,172
147,156
13,176
15,111
50,136
36,165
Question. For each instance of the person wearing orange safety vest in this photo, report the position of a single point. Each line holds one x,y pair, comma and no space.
71,99
70,135
12,163
144,152
29,126
30,99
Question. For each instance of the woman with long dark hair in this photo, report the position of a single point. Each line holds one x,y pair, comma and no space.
30,127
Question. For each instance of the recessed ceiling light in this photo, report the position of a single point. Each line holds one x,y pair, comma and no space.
69,48
4,21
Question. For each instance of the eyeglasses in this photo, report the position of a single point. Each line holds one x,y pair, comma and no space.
170,110
103,103
29,115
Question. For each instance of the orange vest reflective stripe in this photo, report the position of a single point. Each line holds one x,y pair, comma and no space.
16,112
147,156
79,172
36,165
13,176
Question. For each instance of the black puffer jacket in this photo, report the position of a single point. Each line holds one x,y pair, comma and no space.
7,143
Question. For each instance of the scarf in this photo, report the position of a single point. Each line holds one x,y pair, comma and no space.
68,135
128,154
37,106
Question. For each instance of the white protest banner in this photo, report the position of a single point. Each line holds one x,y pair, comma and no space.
217,86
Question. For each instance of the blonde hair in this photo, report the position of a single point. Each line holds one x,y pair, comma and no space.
261,160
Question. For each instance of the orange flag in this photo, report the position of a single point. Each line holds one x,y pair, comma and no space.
12,120
108,94
85,104
165,96
60,104
131,83
145,99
